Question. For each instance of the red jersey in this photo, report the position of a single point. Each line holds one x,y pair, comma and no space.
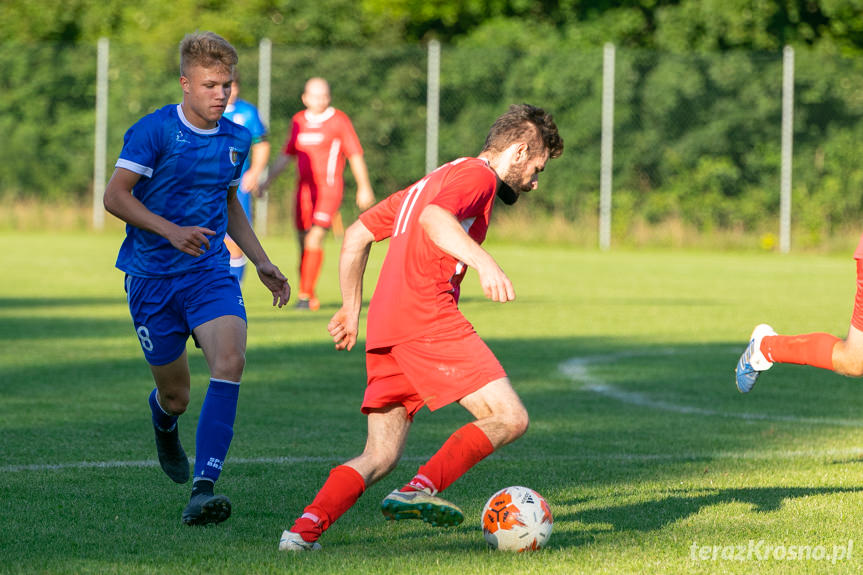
321,142
418,287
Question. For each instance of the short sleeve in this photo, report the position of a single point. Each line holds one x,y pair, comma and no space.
467,190
141,147
350,141
380,218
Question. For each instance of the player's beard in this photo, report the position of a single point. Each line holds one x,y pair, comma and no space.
510,186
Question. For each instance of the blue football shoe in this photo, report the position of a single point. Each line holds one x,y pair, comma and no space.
752,362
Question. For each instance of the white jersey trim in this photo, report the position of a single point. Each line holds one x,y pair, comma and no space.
189,125
134,167
313,118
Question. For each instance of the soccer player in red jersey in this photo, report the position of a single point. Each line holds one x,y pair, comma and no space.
321,138
420,349
824,350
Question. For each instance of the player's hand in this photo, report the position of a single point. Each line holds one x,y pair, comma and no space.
276,282
365,198
343,327
250,184
191,240
495,284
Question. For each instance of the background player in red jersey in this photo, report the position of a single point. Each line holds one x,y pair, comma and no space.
420,349
321,138
824,350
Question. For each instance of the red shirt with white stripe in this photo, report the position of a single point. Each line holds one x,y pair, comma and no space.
321,142
418,287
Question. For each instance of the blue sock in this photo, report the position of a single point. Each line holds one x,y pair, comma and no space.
215,428
161,420
237,272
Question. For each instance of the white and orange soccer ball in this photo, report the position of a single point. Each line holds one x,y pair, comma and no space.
516,519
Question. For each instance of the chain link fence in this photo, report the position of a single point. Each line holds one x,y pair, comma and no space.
697,137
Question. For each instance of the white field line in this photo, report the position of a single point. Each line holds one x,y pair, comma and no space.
578,370
636,457
153,463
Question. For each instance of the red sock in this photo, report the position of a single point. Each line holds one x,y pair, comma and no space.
464,449
340,491
309,271
807,349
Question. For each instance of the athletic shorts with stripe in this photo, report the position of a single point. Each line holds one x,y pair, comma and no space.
166,310
433,371
316,206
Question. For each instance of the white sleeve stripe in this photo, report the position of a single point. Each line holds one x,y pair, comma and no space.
133,167
332,161
408,206
410,194
410,210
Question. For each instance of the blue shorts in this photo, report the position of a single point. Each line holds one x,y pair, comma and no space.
245,199
166,310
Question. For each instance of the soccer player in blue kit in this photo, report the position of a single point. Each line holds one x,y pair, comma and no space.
175,186
245,114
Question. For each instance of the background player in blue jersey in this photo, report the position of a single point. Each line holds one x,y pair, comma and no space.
245,114
175,186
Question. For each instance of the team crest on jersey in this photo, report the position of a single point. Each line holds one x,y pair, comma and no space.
234,155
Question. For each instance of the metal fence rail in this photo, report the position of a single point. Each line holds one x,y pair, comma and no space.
710,139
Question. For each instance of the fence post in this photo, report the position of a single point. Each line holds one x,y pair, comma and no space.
433,105
607,149
101,135
265,58
787,143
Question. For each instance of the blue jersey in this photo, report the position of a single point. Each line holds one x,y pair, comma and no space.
185,175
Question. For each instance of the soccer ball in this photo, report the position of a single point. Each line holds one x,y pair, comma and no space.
516,519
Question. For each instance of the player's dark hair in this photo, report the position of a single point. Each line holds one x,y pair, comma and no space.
524,121
206,49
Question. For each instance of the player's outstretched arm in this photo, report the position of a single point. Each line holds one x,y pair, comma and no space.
275,170
344,325
242,233
119,201
446,232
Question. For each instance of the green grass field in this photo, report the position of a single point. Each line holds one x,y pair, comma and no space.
651,460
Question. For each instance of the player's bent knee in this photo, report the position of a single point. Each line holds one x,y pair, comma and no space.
847,360
851,368
229,366
516,424
520,425
384,462
174,404
375,465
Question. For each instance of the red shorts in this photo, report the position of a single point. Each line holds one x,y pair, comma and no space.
857,316
316,206
433,371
